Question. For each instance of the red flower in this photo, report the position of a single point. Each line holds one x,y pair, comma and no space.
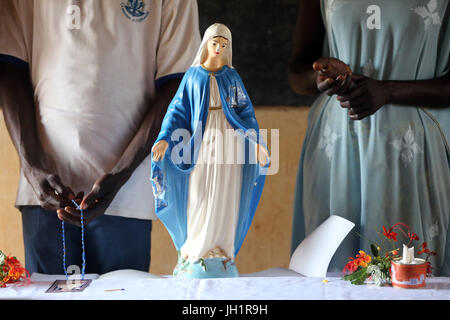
351,266
12,271
424,248
390,234
413,236
362,259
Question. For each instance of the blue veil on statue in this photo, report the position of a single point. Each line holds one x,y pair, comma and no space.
208,206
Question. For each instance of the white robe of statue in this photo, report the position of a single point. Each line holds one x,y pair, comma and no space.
214,188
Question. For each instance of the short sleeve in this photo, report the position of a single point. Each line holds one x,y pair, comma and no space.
16,27
179,39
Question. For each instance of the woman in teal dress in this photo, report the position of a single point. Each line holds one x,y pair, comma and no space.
376,151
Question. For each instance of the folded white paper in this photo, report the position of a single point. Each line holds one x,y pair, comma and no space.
314,253
408,255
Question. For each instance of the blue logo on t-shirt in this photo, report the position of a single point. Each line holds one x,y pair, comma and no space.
135,10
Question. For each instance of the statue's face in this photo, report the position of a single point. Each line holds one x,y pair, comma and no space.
216,47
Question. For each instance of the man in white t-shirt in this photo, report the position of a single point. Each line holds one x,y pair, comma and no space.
84,86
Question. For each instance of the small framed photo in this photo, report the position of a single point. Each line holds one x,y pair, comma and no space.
68,286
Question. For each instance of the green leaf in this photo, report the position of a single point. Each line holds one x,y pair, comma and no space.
374,250
358,277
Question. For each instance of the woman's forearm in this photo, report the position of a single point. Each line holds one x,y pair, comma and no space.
307,45
302,79
434,93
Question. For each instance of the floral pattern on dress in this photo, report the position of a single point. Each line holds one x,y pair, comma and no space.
368,68
327,141
428,13
433,230
332,6
407,146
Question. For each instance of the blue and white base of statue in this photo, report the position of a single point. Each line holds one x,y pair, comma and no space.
205,268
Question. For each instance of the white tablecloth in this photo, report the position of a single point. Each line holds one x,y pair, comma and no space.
274,284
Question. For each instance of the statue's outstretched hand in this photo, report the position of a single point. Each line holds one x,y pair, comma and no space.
159,150
262,154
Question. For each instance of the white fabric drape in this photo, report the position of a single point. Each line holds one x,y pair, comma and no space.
273,284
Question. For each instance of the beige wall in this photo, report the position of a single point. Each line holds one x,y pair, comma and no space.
267,244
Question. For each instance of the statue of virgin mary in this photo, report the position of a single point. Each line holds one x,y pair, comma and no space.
209,163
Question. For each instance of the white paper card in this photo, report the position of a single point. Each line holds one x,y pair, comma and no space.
314,253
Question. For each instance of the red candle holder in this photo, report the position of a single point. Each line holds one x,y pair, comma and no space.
408,276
